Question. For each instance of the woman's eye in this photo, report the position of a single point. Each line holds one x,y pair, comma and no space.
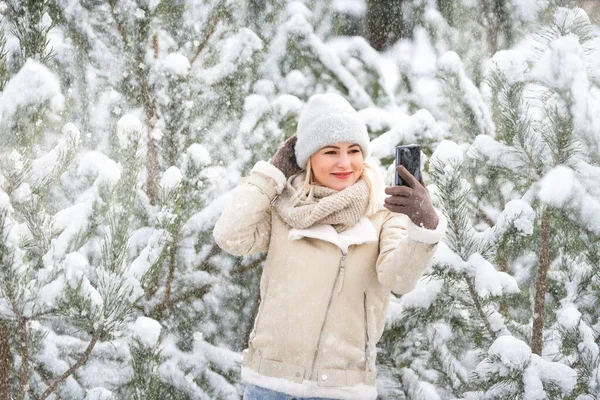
354,151
330,152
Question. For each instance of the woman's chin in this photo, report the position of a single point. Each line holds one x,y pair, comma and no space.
339,184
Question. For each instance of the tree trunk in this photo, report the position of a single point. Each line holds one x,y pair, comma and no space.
539,308
446,8
385,23
5,361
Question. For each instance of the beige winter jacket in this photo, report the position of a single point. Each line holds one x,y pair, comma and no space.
324,295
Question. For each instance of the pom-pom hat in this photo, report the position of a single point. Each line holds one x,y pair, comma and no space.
328,119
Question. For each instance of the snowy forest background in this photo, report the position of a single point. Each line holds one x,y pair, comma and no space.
124,125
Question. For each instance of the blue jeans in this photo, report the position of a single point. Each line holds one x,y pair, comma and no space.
254,392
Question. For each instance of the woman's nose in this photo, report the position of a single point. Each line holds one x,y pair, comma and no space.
344,161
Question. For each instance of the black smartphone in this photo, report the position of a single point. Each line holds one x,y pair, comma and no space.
410,157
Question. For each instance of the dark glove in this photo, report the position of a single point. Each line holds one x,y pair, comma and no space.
285,158
412,200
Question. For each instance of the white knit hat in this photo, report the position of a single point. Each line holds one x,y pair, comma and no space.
328,119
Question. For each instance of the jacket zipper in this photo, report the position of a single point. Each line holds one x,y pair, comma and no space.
342,272
367,351
341,267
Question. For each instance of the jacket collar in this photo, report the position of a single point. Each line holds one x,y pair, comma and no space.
362,232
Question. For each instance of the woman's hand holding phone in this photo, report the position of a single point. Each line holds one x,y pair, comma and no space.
412,200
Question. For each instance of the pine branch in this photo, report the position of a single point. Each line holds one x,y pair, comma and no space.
23,348
205,41
120,28
192,294
493,27
82,359
248,267
539,308
4,71
5,361
156,46
172,255
148,102
478,306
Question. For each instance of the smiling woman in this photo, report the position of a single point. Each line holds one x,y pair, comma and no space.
335,250
337,166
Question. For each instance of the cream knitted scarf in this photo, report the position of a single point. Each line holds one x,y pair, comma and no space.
341,209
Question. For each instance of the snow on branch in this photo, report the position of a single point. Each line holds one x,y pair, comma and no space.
561,189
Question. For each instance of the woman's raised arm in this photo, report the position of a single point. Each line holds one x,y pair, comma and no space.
244,227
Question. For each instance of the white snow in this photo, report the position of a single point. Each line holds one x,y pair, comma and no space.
496,321
70,222
512,63
75,267
49,162
32,86
495,153
378,119
533,386
21,194
568,316
199,155
296,83
562,65
98,165
287,105
508,283
423,56
514,353
152,4
297,7
171,178
451,64
528,10
556,373
524,215
236,50
129,130
147,330
517,213
49,294
148,255
414,129
355,8
445,256
99,393
557,186
560,188
177,64
486,277
447,152
4,200
254,108
424,293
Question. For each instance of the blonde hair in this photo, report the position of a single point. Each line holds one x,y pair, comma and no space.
370,174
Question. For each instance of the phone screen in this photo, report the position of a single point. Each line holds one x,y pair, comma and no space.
410,157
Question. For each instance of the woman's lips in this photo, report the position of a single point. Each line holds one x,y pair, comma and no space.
342,175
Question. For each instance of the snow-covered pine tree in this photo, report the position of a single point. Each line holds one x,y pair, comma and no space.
64,286
438,330
533,166
211,87
545,149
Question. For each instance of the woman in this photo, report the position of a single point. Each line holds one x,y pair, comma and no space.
335,250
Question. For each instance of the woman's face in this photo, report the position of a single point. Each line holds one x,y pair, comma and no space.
337,166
